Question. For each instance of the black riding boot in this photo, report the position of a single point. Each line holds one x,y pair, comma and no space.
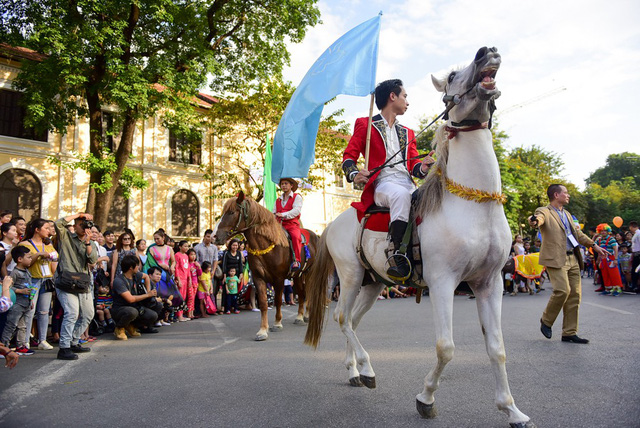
402,269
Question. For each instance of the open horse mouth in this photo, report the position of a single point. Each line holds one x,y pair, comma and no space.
487,77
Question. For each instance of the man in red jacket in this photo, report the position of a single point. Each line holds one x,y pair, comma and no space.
392,186
287,210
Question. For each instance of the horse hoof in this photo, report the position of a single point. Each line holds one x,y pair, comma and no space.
355,381
299,322
275,328
527,424
427,411
305,319
261,337
368,381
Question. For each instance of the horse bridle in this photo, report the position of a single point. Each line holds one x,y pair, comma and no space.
244,215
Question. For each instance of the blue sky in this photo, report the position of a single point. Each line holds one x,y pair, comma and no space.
569,74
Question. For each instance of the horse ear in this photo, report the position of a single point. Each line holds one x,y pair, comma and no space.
240,197
438,83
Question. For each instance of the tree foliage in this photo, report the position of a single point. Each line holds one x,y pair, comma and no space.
142,57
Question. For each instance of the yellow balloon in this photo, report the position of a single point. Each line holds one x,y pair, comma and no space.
617,221
581,226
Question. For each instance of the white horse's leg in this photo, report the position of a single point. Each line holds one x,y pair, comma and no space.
365,300
349,290
441,296
489,302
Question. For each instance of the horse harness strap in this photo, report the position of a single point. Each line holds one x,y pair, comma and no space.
453,130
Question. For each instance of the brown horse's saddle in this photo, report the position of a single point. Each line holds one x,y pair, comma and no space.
304,253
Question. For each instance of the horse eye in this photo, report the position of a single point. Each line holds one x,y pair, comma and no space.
451,77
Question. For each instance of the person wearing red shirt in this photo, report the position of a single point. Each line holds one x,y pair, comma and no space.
288,208
391,186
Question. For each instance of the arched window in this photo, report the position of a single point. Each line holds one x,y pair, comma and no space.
119,213
21,193
185,214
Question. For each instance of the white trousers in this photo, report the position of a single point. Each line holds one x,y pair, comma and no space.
396,196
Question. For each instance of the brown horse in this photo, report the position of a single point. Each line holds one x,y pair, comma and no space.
269,254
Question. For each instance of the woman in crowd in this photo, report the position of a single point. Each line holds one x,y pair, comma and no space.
124,247
183,276
232,258
141,251
9,239
44,264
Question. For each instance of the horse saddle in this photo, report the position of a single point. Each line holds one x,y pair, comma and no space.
376,219
304,253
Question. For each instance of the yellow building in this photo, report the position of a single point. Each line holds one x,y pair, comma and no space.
178,198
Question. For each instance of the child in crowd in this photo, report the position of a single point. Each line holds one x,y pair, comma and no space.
155,276
183,276
204,286
195,271
288,293
104,302
231,285
22,309
625,261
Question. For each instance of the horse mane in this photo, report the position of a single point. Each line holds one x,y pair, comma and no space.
264,221
431,192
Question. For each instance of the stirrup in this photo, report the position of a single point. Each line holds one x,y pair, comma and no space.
396,260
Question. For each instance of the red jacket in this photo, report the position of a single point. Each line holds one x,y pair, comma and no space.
378,153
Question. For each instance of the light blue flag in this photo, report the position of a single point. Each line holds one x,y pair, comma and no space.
347,67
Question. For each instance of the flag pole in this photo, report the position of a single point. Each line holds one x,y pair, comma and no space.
366,150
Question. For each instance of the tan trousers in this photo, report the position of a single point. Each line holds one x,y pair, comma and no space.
567,291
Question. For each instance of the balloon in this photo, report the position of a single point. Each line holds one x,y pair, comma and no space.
13,295
617,221
581,226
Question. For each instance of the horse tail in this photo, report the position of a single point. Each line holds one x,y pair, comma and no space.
317,290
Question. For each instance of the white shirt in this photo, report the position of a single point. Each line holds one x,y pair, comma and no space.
635,241
297,206
397,173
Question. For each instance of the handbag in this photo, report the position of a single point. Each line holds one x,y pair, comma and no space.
48,285
209,304
74,282
218,274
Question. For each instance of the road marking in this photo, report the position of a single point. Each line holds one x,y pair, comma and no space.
221,328
41,379
620,311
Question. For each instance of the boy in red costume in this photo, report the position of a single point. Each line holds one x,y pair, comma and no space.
287,210
392,186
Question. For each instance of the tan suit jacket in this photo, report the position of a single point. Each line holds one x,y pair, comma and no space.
554,238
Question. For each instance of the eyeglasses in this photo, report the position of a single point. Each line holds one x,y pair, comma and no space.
126,239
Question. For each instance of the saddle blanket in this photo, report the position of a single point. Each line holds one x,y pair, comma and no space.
379,222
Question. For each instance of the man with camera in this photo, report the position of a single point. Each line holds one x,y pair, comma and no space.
73,283
128,312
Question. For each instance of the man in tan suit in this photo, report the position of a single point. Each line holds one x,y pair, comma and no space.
560,254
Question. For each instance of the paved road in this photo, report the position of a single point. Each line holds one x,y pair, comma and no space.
210,372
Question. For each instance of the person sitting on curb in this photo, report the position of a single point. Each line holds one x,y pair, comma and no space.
127,311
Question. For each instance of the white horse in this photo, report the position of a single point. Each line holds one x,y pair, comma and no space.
467,234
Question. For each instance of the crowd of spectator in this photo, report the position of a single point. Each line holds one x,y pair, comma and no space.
66,282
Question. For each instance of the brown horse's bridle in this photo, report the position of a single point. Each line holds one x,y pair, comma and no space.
244,215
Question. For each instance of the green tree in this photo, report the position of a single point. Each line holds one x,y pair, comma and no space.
142,57
617,167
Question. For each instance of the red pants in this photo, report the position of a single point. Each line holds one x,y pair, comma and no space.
610,275
296,238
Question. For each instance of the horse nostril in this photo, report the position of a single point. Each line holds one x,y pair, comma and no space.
481,53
